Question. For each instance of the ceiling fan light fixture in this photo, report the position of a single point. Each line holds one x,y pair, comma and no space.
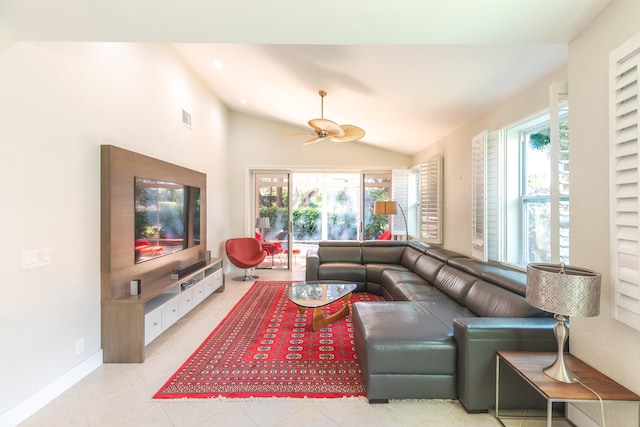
324,128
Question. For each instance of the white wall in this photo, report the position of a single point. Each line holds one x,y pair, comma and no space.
258,143
603,342
59,103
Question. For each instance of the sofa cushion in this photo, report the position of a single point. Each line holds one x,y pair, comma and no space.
340,251
410,256
382,251
488,300
469,265
508,278
511,280
344,271
454,283
418,292
403,338
374,271
391,278
446,311
427,267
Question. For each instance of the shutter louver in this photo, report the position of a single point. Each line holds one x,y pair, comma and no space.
431,200
478,196
624,192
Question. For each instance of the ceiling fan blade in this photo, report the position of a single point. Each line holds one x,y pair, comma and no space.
297,133
351,133
330,127
314,140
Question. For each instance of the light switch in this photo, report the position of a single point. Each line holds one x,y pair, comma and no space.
36,258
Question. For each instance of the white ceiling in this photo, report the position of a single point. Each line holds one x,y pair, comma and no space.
408,72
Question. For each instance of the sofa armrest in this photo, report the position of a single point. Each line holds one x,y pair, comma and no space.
478,339
312,264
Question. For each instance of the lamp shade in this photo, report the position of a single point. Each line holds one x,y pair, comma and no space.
262,223
386,207
563,289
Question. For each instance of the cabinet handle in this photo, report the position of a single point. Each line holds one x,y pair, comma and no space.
155,324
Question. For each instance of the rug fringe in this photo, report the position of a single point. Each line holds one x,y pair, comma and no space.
255,398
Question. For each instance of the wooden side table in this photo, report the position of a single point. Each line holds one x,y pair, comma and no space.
529,366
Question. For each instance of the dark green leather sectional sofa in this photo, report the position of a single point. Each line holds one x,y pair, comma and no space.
443,318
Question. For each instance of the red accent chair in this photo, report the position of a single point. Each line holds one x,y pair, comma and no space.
385,236
272,248
245,252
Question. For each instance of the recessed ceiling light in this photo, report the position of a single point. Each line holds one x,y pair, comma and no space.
244,102
217,64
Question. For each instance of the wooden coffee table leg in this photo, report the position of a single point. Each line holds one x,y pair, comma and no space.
319,321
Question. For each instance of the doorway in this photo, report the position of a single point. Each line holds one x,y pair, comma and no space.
303,208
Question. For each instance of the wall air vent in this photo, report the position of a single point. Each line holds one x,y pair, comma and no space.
186,118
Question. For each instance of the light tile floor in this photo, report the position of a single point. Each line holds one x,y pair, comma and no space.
120,394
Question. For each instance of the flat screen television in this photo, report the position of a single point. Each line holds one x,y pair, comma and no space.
167,218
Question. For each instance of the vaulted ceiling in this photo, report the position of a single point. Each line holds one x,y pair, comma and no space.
408,72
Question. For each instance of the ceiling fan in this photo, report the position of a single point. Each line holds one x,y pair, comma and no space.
327,129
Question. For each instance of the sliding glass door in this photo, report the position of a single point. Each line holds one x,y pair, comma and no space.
302,208
272,217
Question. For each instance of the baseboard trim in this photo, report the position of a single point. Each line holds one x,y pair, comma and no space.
579,418
46,394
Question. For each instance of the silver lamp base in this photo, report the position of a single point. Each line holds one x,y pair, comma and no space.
559,370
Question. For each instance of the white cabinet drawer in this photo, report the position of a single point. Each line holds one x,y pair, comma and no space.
208,285
152,325
217,279
171,312
186,301
198,292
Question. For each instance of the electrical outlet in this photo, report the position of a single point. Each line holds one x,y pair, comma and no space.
80,345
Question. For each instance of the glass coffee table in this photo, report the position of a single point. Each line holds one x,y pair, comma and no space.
318,294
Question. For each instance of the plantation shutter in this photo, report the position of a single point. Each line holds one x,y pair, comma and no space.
400,193
559,163
493,227
478,196
624,94
431,200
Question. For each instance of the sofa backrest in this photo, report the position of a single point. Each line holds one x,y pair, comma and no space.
340,251
488,300
382,251
410,256
443,254
454,282
428,267
505,277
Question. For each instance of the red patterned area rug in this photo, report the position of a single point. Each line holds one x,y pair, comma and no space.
265,348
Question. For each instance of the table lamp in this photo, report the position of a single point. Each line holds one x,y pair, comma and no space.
565,291
390,207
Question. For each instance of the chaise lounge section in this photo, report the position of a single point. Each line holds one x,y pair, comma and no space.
443,318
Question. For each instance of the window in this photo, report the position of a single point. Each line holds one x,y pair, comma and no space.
520,205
